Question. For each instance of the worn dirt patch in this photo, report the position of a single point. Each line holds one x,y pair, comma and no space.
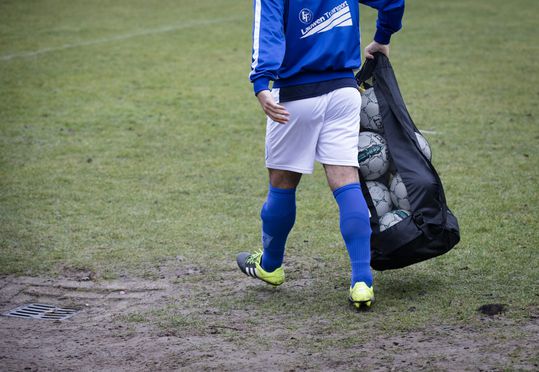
121,327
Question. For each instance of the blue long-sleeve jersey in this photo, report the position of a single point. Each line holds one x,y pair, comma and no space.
298,42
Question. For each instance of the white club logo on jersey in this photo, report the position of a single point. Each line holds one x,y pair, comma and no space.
305,15
339,16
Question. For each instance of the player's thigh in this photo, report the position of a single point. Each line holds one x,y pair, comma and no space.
338,139
292,146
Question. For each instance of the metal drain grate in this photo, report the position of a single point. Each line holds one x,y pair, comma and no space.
42,311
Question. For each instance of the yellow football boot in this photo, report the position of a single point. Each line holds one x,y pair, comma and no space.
361,295
249,264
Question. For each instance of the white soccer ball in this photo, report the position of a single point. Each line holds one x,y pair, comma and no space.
369,117
380,197
399,195
392,218
373,156
424,146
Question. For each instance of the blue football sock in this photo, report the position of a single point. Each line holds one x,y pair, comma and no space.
278,216
356,230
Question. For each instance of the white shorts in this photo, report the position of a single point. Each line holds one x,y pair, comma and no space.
323,128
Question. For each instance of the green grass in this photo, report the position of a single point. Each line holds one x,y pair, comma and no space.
120,155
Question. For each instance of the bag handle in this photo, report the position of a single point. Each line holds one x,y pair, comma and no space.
367,69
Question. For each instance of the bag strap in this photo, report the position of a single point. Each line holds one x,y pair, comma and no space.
366,71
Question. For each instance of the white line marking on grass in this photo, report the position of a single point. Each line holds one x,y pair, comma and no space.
429,131
151,31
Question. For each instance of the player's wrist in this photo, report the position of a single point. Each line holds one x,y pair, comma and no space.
262,92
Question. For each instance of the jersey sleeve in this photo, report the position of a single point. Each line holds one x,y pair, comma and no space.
389,20
268,42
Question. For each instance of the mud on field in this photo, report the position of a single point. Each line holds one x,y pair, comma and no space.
119,327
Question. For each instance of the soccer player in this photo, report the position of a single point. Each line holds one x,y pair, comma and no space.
309,50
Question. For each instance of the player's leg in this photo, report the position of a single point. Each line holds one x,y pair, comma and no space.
278,215
290,152
337,150
284,179
338,175
355,229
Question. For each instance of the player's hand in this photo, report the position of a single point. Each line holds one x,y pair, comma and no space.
275,111
376,47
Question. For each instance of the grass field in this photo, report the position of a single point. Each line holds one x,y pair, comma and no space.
131,148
